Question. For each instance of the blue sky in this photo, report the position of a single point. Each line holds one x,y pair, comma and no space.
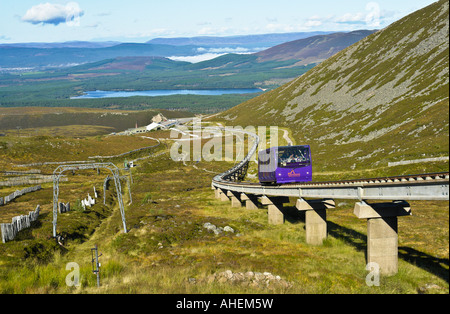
141,20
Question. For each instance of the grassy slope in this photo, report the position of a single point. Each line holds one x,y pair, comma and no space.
168,251
382,99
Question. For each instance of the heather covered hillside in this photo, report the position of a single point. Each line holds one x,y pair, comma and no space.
313,49
383,99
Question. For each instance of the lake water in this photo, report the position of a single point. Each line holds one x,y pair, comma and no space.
168,92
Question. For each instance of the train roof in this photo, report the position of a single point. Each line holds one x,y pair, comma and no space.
278,147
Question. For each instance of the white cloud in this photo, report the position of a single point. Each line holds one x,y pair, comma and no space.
315,17
281,28
313,22
352,18
214,31
48,13
198,58
371,18
239,50
212,53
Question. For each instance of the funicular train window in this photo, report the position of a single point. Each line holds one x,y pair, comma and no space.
265,157
293,155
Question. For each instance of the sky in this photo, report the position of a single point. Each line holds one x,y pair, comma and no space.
142,20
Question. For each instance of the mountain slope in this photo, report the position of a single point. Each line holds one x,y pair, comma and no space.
313,49
383,99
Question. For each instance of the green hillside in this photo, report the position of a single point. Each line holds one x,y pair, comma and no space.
384,99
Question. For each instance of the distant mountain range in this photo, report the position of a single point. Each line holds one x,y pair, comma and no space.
13,57
385,98
264,40
42,55
312,50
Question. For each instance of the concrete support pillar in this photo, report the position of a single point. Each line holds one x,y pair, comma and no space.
217,193
235,202
382,232
250,200
223,195
275,209
316,226
276,216
315,219
382,244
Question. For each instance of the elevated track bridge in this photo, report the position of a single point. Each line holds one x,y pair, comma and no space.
389,193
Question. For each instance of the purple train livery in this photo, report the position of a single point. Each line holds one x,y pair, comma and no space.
287,164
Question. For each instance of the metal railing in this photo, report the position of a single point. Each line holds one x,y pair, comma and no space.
238,172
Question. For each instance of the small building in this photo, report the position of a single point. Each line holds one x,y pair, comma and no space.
153,126
136,131
162,125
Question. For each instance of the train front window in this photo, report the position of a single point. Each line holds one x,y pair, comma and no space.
293,155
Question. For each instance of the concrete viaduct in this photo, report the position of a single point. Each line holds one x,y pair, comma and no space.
315,198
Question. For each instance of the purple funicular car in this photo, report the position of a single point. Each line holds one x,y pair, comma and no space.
286,164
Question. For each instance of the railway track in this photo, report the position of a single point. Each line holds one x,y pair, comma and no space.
429,186
438,177
382,225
